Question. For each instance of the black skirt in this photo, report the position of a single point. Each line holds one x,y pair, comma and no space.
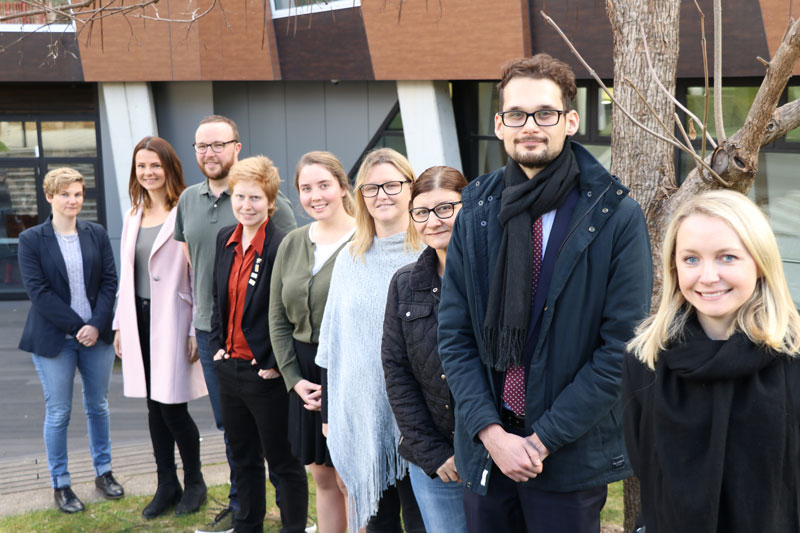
305,427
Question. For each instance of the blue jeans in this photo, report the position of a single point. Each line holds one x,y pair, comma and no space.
441,504
57,375
212,384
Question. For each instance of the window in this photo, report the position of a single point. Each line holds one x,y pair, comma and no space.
29,148
28,23
290,8
389,135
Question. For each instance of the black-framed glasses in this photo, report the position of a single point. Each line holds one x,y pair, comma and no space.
216,147
542,117
390,187
442,211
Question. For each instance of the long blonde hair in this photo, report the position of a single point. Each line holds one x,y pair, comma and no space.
365,225
769,317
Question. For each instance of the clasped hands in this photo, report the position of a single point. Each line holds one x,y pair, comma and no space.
519,458
264,373
310,393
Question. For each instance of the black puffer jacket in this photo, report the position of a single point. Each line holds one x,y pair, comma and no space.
415,381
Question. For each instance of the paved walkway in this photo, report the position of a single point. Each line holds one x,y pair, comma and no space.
24,479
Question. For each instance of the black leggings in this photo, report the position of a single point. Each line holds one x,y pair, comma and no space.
396,498
169,423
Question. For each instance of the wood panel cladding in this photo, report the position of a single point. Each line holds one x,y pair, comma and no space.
442,40
234,41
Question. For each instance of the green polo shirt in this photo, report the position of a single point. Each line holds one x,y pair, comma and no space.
199,218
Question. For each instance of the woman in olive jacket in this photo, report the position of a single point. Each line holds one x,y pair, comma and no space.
415,382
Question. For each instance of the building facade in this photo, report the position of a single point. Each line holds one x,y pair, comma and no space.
346,76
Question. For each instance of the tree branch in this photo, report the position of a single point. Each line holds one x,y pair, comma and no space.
720,127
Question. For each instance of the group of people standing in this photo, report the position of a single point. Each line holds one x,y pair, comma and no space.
443,356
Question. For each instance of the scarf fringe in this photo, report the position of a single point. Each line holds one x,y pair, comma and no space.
363,505
504,350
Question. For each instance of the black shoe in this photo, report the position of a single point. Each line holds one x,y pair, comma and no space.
109,487
166,496
67,501
194,496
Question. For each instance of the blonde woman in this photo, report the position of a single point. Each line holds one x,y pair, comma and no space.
300,280
711,394
68,269
363,435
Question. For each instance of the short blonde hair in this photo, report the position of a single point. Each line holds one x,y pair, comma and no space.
365,225
768,318
59,179
261,170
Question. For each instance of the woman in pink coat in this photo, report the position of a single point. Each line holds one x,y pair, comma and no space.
154,337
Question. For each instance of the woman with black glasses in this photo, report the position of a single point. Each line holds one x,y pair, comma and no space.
363,435
415,382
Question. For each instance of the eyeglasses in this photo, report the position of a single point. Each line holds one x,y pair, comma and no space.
390,187
442,211
216,147
542,117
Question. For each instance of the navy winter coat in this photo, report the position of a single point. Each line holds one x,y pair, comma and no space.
600,288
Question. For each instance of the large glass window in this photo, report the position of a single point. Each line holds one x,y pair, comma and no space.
30,148
389,135
736,102
11,7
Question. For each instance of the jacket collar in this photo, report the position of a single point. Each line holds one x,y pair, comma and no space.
424,275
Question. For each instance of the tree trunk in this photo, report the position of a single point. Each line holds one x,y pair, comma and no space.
644,163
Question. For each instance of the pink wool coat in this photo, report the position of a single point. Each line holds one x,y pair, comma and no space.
172,378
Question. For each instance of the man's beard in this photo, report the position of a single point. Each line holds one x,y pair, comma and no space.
533,160
223,171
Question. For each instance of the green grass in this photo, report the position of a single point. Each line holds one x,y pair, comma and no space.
125,515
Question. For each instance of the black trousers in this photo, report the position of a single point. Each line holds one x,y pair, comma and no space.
255,415
169,423
512,506
396,498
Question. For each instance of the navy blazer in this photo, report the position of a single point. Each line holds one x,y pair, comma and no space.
255,318
44,274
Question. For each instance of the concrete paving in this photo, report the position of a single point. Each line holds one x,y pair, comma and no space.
24,478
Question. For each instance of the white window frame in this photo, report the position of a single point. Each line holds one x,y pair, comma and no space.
318,7
37,28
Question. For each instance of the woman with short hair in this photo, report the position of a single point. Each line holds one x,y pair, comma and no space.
68,269
252,396
154,334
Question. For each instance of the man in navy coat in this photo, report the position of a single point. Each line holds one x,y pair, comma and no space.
548,271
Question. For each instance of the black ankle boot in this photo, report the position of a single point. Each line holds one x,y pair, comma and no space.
194,496
167,494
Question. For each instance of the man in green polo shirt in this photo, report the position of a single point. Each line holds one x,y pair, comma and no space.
202,210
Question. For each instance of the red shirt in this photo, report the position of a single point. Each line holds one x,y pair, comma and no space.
238,281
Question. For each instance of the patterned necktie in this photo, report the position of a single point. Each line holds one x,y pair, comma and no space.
514,384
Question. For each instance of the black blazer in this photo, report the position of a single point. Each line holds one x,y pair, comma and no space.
255,323
44,274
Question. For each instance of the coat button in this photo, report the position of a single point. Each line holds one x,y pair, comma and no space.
490,198
442,376
589,194
478,183
446,406
591,229
545,308
435,289
408,313
605,210
483,223
156,278
619,192
469,484
480,202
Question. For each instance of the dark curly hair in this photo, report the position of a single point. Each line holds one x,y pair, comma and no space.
540,67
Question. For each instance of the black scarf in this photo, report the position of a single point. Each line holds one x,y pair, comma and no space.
724,449
523,201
